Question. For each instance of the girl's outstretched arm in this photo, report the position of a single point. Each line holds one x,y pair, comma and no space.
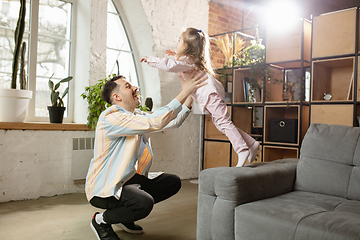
168,64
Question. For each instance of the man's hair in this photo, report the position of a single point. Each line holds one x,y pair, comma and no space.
108,89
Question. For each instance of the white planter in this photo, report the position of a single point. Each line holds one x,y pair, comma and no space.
14,104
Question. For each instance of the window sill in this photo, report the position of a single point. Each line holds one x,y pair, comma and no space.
44,126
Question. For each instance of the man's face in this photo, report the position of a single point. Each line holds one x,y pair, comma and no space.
128,94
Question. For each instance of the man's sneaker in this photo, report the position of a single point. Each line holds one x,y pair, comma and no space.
103,231
130,227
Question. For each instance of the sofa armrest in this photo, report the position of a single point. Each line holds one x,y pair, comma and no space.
222,189
250,183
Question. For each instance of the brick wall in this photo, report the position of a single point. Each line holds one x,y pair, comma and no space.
227,16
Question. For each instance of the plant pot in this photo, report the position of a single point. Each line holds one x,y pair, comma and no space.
56,114
14,104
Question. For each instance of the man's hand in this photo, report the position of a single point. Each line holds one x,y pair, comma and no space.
191,85
144,59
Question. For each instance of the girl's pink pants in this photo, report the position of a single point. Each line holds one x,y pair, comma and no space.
217,109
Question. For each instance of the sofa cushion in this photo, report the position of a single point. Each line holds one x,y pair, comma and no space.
354,182
293,216
341,223
329,161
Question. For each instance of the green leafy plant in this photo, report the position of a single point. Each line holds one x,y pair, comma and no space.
56,99
143,108
95,103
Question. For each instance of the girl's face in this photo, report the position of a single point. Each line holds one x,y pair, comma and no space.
180,45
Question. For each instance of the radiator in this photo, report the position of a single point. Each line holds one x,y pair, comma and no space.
82,153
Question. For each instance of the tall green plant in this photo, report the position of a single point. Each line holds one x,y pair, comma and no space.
19,32
95,103
23,82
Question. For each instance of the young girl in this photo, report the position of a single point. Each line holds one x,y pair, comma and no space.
193,55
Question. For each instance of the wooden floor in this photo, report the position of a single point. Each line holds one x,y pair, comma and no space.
67,217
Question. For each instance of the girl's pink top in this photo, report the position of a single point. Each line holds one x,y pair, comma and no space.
185,67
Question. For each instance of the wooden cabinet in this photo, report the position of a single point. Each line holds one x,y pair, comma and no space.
288,48
334,33
335,68
254,99
340,114
319,60
333,76
272,153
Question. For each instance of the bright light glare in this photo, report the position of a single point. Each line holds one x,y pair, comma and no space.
281,13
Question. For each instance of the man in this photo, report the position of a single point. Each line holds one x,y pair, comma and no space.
117,177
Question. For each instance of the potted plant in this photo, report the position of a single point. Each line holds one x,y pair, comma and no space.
14,102
56,111
95,103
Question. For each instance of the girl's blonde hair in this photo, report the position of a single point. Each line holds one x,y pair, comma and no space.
197,47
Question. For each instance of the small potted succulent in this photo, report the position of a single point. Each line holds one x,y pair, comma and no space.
56,111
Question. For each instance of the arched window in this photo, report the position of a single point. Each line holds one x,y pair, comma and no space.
119,48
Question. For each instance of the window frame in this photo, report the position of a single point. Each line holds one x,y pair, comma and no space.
118,14
32,62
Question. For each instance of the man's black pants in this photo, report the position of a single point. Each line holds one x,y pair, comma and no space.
138,197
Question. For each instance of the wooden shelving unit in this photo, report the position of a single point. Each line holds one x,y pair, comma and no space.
333,76
334,34
288,53
335,64
318,59
252,115
272,153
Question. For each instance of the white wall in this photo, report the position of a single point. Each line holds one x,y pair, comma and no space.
38,163
176,150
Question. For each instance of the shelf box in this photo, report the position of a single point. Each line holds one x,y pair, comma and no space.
334,33
216,154
258,116
235,157
284,46
334,76
357,115
241,90
272,153
305,118
274,85
225,77
211,132
242,118
280,112
340,114
358,80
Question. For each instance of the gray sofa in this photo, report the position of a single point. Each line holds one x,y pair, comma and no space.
314,197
